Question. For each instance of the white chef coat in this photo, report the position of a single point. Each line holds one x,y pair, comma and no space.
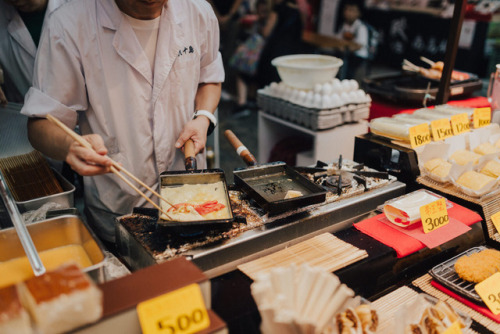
92,68
17,49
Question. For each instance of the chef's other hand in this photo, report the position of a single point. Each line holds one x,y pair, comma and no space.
89,162
3,99
195,129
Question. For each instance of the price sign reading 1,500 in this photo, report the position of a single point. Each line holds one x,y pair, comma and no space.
433,223
182,323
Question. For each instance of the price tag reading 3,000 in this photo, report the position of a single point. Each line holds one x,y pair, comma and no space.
434,215
178,312
419,135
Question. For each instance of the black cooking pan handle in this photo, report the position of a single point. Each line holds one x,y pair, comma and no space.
189,156
242,151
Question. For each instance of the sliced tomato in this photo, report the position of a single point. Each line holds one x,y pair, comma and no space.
210,206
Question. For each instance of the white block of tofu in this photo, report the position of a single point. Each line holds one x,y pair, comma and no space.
13,317
61,300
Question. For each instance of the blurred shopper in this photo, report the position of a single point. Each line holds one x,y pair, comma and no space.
285,25
354,30
246,58
21,23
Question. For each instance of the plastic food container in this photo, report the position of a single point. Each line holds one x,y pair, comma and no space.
306,70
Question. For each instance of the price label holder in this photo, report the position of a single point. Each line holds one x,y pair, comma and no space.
481,117
441,129
419,135
489,291
434,215
178,312
453,329
460,123
496,220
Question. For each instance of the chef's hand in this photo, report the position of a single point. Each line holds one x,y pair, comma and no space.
195,129
87,162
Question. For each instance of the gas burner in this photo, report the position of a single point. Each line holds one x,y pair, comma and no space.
333,181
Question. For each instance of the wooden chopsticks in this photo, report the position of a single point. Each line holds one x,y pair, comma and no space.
115,168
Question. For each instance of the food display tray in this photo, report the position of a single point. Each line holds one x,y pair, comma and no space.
445,274
311,118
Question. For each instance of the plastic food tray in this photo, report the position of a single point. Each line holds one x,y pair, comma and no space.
445,274
314,119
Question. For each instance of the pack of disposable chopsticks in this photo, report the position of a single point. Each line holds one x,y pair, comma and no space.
29,176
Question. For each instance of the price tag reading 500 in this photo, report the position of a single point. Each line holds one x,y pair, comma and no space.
434,215
419,135
178,312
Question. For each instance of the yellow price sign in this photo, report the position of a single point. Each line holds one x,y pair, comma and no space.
481,117
496,221
178,312
489,291
419,135
434,215
460,123
453,329
441,129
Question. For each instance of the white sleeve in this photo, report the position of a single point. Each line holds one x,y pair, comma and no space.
58,85
212,70
362,39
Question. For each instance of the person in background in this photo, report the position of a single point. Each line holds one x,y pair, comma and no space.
140,78
21,23
227,13
355,31
285,25
247,81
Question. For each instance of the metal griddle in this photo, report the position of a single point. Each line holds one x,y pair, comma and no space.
412,87
268,184
194,176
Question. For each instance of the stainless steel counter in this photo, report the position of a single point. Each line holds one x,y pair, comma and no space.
224,256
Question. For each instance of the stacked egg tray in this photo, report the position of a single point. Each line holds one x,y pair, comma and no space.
317,109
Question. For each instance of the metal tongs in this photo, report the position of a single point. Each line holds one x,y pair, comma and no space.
22,231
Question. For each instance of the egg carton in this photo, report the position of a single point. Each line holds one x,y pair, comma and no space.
329,95
312,118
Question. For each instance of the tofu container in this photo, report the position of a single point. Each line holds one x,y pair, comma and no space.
53,233
66,198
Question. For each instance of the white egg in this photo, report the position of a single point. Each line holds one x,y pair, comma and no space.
326,89
310,99
302,97
295,95
361,95
336,102
336,80
327,101
346,86
353,97
354,84
344,97
317,100
336,87
318,87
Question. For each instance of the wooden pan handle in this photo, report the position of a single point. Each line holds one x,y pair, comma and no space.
242,151
189,155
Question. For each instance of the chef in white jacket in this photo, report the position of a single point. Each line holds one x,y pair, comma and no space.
17,45
140,77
